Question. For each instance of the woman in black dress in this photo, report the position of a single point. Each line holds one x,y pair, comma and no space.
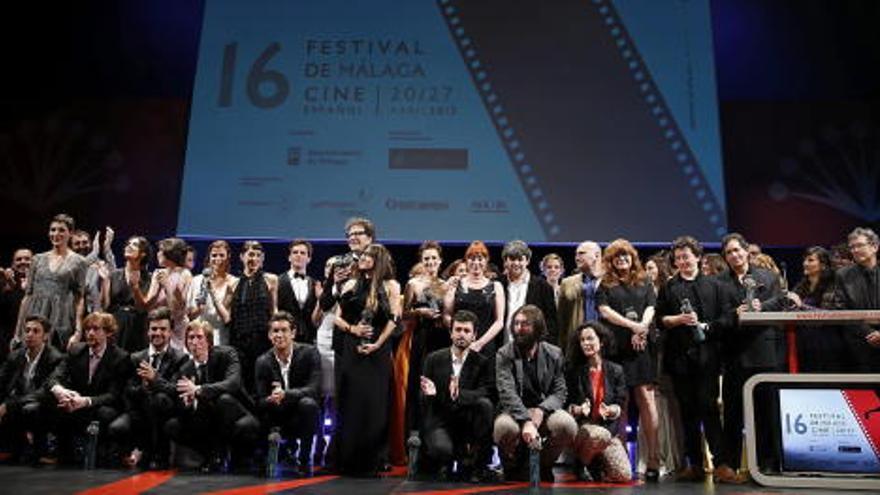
422,309
476,292
254,300
369,308
820,348
122,302
626,302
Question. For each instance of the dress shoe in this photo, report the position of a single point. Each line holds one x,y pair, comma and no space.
726,474
690,473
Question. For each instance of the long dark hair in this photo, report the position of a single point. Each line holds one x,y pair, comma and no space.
383,269
826,277
576,356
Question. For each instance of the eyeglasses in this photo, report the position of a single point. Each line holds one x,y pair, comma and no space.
858,245
355,233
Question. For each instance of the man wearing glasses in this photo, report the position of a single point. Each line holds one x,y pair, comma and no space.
858,288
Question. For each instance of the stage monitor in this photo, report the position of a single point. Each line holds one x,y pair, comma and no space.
826,431
453,119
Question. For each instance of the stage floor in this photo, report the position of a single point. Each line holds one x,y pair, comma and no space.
56,481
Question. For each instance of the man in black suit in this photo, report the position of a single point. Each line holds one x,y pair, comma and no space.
296,291
858,287
150,394
88,384
12,286
747,350
456,385
521,288
215,416
691,312
288,380
22,380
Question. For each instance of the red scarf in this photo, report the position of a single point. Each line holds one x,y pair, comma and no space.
597,381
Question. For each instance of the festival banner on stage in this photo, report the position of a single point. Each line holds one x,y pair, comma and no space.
455,120
830,431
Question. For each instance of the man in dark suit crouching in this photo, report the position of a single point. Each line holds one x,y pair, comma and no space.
150,395
288,377
215,416
22,393
456,386
88,383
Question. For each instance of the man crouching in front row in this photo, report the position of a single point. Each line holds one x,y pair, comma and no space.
531,388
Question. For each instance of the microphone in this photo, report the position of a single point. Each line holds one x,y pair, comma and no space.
750,285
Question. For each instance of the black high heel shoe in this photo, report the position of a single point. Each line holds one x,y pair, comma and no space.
652,475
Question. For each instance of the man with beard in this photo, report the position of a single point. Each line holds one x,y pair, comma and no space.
12,282
288,380
216,413
98,270
456,386
529,374
858,287
22,396
522,288
690,309
150,394
88,383
577,292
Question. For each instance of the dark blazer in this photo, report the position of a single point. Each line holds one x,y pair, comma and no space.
476,381
682,354
13,391
166,379
303,376
306,331
509,379
539,293
753,346
577,379
223,375
107,384
852,289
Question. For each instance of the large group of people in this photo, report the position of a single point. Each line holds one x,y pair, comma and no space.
166,362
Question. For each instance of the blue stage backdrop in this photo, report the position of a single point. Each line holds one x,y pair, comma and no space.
546,121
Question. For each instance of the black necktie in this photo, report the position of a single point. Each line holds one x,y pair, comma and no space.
299,275
156,360
200,374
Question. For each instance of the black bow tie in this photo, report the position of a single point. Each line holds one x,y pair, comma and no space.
299,275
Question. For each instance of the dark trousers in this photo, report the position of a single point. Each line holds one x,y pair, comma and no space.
697,394
463,434
215,426
20,419
69,426
297,420
143,425
766,425
861,356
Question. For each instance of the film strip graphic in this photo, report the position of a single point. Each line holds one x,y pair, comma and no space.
688,165
523,168
653,98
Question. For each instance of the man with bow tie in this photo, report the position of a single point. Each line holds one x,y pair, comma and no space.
150,394
288,380
22,377
296,291
88,384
